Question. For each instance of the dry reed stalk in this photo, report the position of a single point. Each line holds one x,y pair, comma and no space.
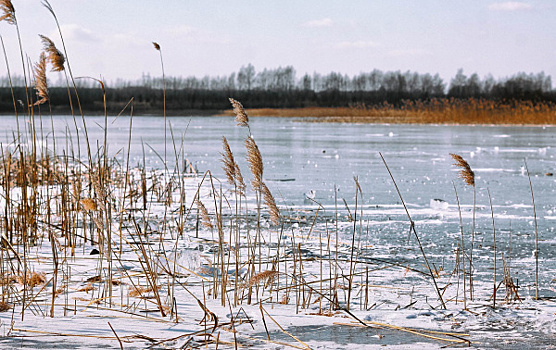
9,11
536,253
239,180
54,55
204,214
47,5
271,204
494,289
283,330
242,118
412,229
255,161
462,249
469,177
351,261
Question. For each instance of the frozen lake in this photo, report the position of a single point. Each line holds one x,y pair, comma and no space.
300,157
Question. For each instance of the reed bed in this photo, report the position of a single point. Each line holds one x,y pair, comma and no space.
435,111
86,234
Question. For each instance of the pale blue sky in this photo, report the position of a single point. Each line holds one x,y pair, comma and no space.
113,38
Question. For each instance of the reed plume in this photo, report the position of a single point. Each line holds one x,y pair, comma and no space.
229,162
465,173
233,173
8,11
241,116
271,204
255,161
54,55
204,214
156,46
40,80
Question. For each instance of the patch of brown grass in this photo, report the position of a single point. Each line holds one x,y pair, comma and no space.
141,291
4,306
32,279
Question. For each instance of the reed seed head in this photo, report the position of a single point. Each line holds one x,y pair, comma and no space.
229,162
271,204
465,173
255,161
241,116
233,173
8,11
55,57
40,80
204,215
156,46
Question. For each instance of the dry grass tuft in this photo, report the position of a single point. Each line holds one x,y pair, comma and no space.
255,161
465,173
40,80
271,204
33,279
261,276
141,291
29,171
55,57
241,116
88,204
4,306
9,12
89,287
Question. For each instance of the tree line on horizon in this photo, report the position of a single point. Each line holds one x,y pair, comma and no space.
281,88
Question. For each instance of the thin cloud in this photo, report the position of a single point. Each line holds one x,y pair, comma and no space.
182,30
409,52
319,23
510,6
356,44
78,33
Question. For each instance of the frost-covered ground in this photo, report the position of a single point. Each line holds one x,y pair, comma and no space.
391,291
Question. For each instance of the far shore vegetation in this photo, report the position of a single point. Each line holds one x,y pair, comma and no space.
373,97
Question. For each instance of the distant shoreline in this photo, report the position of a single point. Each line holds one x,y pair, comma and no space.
383,115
